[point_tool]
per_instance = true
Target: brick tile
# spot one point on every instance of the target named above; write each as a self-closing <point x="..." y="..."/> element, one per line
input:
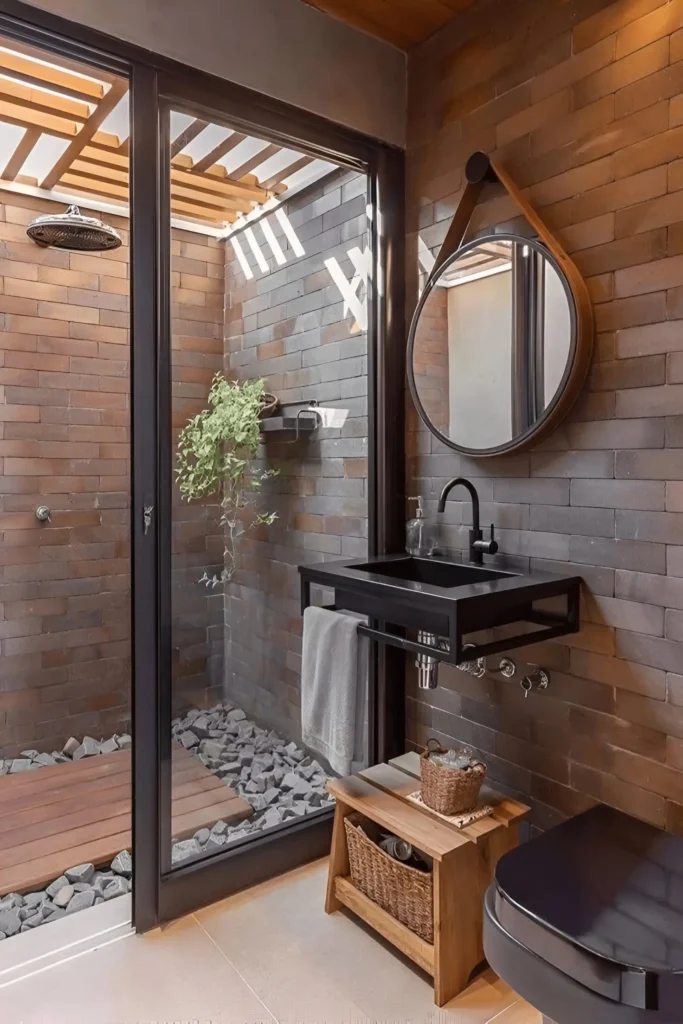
<point x="572" y="464"/>
<point x="540" y="492"/>
<point x="661" y="527"/>
<point x="617" y="74"/>
<point x="666" y="591"/>
<point x="631" y="312"/>
<point x="659" y="86"/>
<point x="638" y="372"/>
<point x="674" y="496"/>
<point x="619" y="554"/>
<point x="637" y="433"/>
<point x="665" y="400"/>
<point x="629" y="615"/>
<point x="611" y="19"/>
<point x="651" y="152"/>
<point x="667" y="465"/>
<point x="620" y="494"/>
<point x="577" y="69"/>
<point x="625" y="797"/>
<point x="626" y="252"/>
<point x="649" y="650"/>
<point x="647" y="339"/>
<point x="674" y="752"/>
<point x="649" y="277"/>
<point x="592" y="522"/>
<point x="674" y="631"/>
<point x="618" y="732"/>
<point x="619" y="673"/>
<point x="650" y="775"/>
<point x="654" y="213"/>
<point x="554" y="106"/>
<point x="653" y="25"/>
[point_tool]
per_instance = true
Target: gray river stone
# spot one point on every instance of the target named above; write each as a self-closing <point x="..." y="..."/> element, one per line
<point x="81" y="873"/>
<point x="122" y="864"/>
<point x="63" y="897"/>
<point x="81" y="901"/>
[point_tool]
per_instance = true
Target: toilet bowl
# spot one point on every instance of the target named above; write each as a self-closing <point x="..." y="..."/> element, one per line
<point x="586" y="921"/>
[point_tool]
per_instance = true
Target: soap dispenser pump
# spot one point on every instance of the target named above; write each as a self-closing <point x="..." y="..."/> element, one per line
<point x="420" y="534"/>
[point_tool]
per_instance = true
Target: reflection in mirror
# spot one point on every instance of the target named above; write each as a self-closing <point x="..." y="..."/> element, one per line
<point x="492" y="342"/>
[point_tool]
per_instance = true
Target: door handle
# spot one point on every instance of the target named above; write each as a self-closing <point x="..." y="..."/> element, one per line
<point x="147" y="512"/>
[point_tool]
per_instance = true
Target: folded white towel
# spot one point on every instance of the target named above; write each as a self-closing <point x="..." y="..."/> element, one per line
<point x="334" y="674"/>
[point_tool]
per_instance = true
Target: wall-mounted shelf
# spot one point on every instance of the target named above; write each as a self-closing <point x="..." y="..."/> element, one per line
<point x="291" y="424"/>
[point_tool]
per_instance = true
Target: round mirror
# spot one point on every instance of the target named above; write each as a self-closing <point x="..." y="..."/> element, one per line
<point x="493" y="346"/>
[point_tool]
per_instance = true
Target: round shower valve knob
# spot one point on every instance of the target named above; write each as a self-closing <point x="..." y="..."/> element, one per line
<point x="43" y="514"/>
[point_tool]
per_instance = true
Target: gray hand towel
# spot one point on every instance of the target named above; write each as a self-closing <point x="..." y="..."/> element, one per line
<point x="334" y="688"/>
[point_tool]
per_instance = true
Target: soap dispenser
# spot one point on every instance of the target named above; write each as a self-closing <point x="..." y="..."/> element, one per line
<point x="420" y="533"/>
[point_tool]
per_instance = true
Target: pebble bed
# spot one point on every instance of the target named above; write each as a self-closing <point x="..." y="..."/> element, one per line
<point x="278" y="779"/>
<point x="78" y="888"/>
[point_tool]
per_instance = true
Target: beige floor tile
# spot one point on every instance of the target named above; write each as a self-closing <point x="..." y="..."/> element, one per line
<point x="519" y="1013"/>
<point x="269" y="935"/>
<point x="312" y="965"/>
<point x="176" y="974"/>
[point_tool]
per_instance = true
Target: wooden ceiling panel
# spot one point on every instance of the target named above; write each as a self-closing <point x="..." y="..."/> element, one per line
<point x="405" y="23"/>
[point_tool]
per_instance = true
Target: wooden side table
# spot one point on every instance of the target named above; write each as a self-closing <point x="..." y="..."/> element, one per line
<point x="464" y="862"/>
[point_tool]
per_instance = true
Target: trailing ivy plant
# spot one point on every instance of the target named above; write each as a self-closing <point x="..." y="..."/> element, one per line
<point x="216" y="450"/>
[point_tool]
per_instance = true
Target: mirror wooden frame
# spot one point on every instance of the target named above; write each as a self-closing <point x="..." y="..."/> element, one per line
<point x="480" y="170"/>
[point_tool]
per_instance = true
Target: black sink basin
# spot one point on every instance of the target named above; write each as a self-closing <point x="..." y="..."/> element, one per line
<point x="432" y="571"/>
<point x="407" y="595"/>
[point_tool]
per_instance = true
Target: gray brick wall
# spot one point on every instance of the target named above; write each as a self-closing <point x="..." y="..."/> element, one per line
<point x="290" y="326"/>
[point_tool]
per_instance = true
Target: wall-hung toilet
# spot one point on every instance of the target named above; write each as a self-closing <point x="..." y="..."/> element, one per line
<point x="586" y="921"/>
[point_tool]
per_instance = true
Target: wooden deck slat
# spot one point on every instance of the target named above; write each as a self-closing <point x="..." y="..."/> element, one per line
<point x="103" y="777"/>
<point x="35" y="874"/>
<point x="80" y="812"/>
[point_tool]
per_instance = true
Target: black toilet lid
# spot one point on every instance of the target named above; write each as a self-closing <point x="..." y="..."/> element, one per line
<point x="601" y="898"/>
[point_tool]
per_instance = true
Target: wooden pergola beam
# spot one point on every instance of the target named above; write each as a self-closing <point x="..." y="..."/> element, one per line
<point x="116" y="93"/>
<point x="186" y="136"/>
<point x="292" y="168"/>
<point x="211" y="200"/>
<point x="36" y="99"/>
<point x="21" y="153"/>
<point x="217" y="152"/>
<point x="255" y="160"/>
<point x="32" y="73"/>
<point x="34" y="53"/>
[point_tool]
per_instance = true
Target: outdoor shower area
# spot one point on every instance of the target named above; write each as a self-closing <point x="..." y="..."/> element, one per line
<point x="270" y="267"/>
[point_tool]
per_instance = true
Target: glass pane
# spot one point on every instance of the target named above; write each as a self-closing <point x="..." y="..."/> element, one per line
<point x="65" y="744"/>
<point x="270" y="271"/>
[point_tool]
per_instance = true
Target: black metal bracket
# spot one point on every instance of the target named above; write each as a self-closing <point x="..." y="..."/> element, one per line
<point x="451" y="646"/>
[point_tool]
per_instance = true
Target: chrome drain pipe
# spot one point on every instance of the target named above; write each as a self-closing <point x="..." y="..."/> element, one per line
<point x="427" y="667"/>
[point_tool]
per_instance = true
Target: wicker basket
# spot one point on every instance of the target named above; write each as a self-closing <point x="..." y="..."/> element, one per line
<point x="403" y="891"/>
<point x="449" y="790"/>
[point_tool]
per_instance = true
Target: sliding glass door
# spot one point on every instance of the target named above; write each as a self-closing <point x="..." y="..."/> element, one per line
<point x="267" y="261"/>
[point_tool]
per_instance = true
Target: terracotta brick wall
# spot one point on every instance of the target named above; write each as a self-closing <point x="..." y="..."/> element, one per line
<point x="64" y="441"/>
<point x="583" y="102"/>
<point x="292" y="327"/>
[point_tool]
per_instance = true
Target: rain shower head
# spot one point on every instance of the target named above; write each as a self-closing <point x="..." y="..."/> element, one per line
<point x="71" y="230"/>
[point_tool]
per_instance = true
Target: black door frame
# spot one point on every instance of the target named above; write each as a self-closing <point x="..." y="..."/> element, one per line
<point x="159" y="896"/>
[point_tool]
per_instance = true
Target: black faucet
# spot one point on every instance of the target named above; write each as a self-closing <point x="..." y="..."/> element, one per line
<point x="477" y="543"/>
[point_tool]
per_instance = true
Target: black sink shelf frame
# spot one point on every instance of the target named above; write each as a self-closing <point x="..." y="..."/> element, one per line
<point x="393" y="606"/>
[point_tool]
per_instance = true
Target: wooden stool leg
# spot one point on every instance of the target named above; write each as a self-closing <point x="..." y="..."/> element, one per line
<point x="457" y="921"/>
<point x="339" y="856"/>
